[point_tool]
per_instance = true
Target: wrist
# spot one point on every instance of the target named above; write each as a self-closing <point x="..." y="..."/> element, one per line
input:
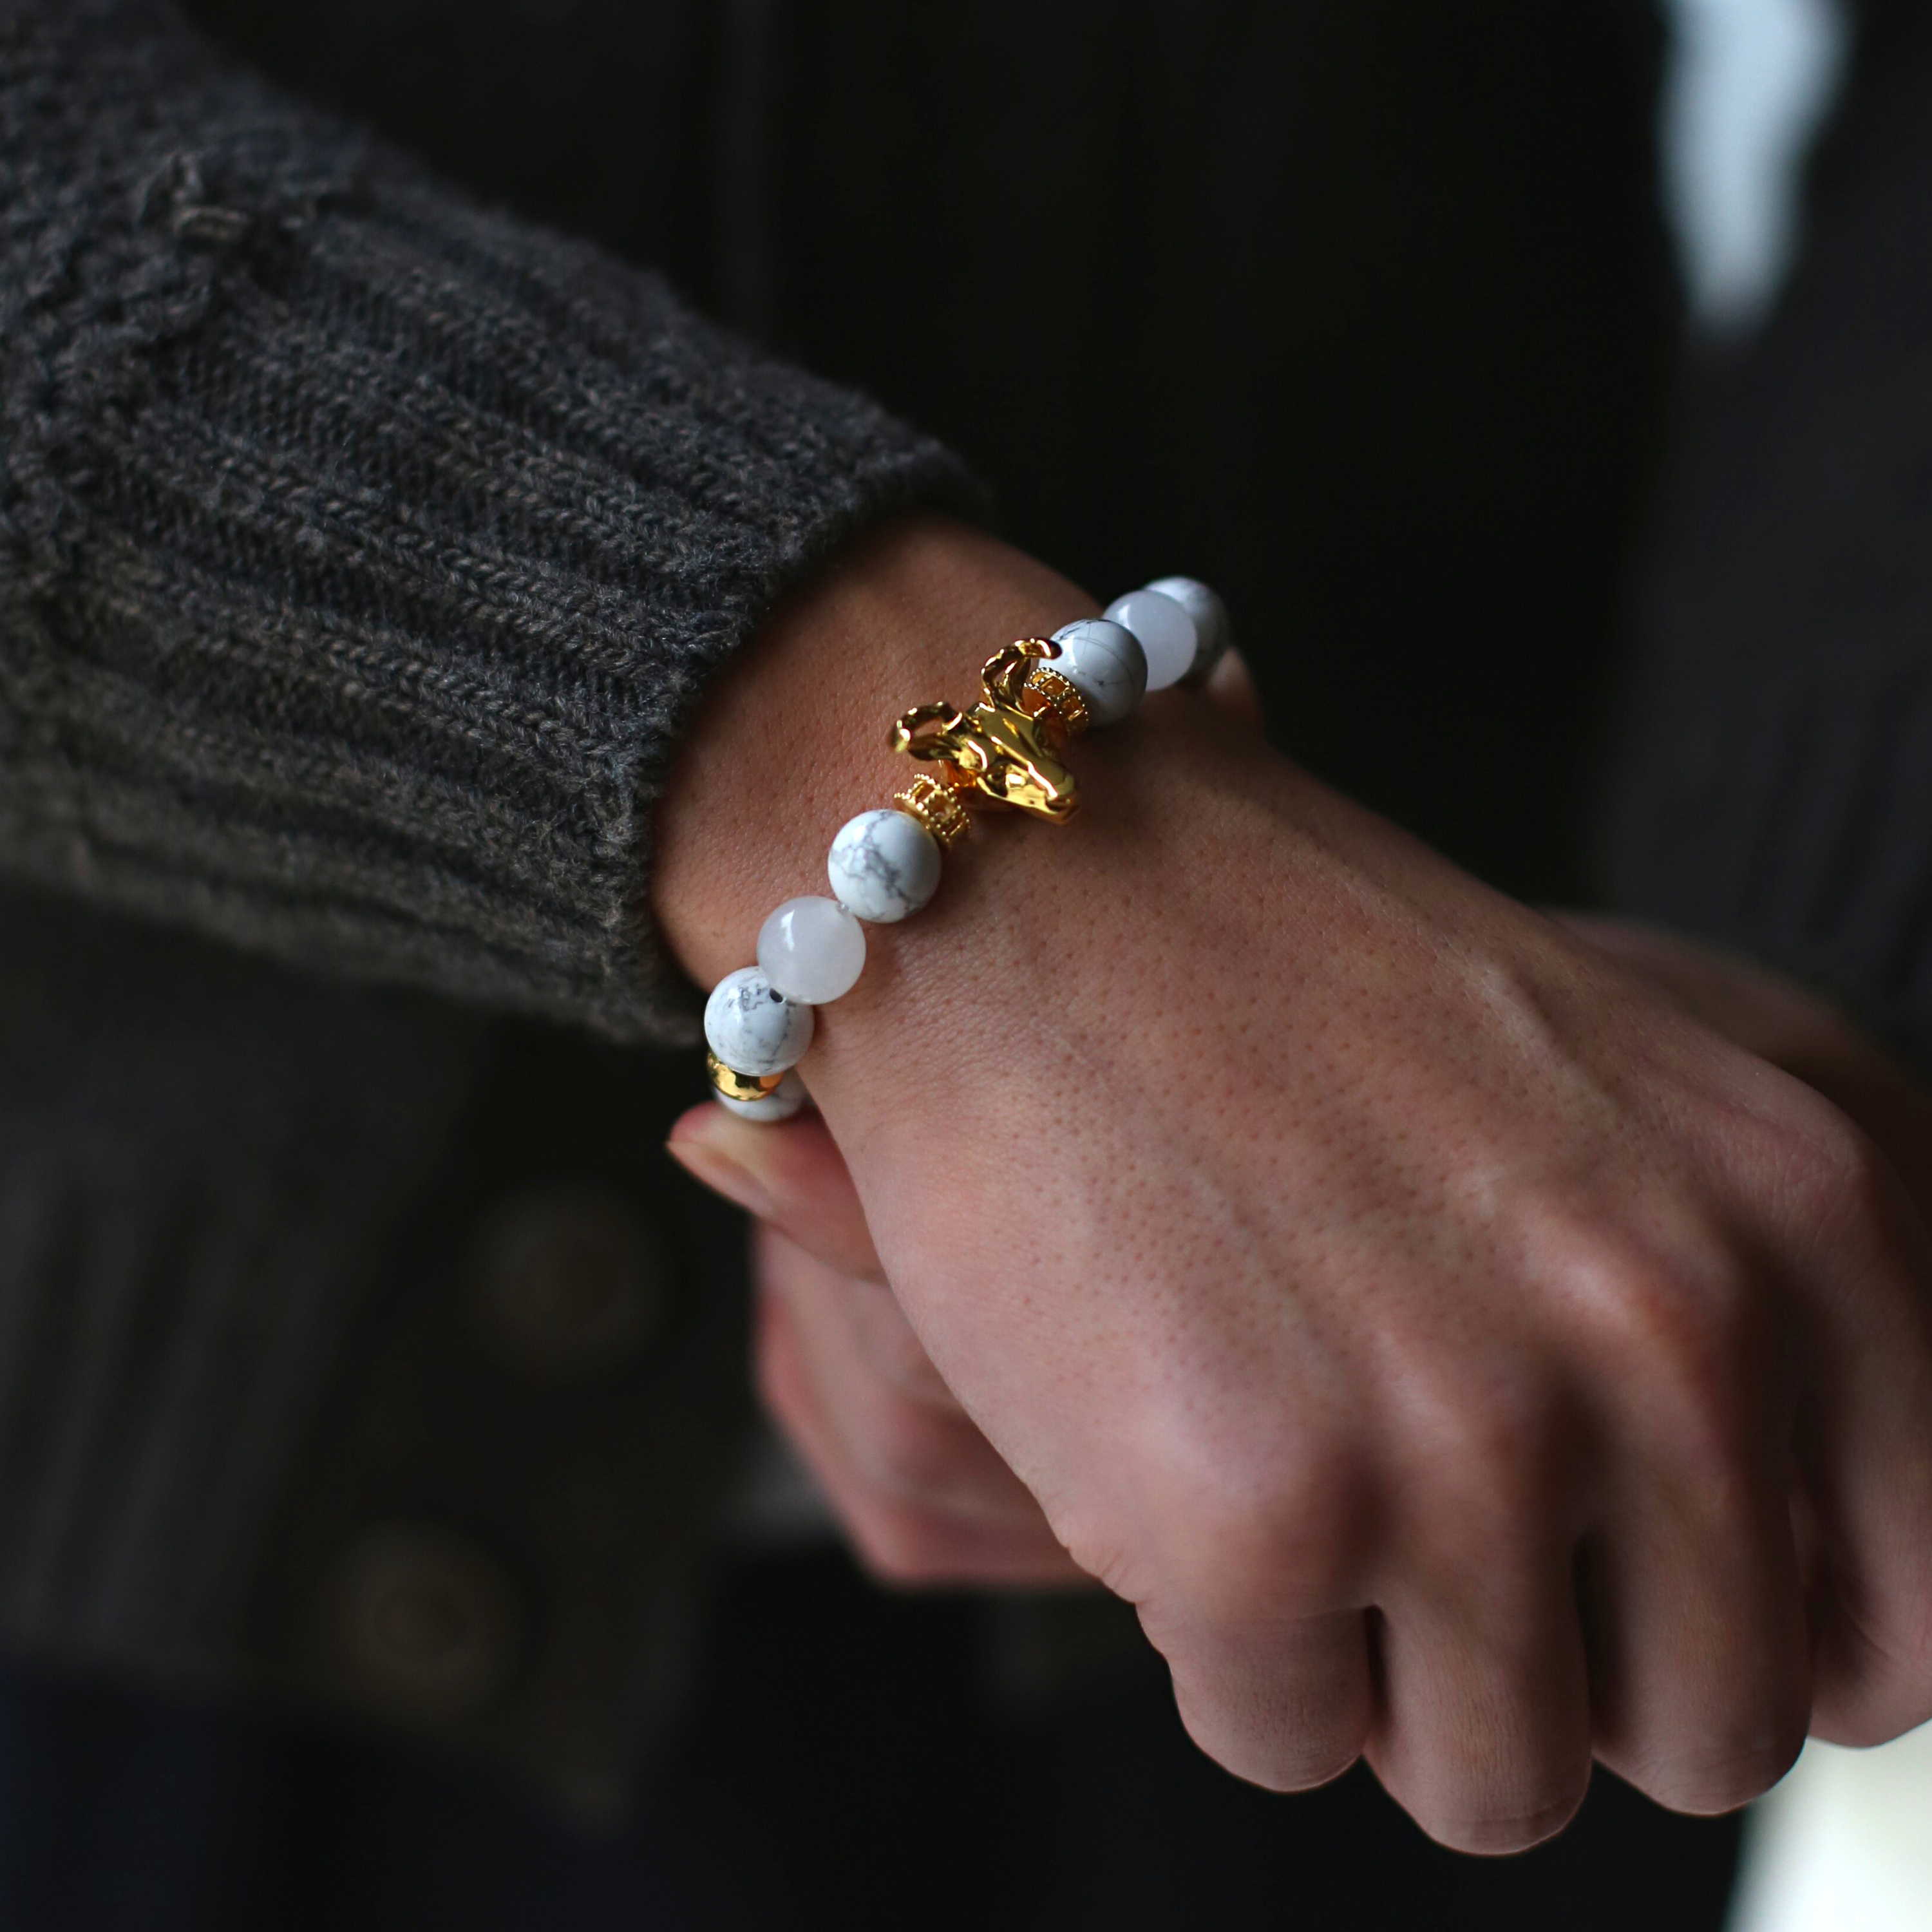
<point x="793" y="741"/>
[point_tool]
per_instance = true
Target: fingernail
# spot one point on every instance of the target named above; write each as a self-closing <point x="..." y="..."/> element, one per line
<point x="691" y="1147"/>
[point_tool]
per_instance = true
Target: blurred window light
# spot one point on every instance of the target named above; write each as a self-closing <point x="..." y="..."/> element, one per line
<point x="1751" y="83"/>
<point x="1841" y="1845"/>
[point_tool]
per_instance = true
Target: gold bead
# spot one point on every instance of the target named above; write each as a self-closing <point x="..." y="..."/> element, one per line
<point x="936" y="809"/>
<point x="1061" y="695"/>
<point x="736" y="1086"/>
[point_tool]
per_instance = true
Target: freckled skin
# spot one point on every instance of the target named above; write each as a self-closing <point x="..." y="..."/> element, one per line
<point x="1335" y="1258"/>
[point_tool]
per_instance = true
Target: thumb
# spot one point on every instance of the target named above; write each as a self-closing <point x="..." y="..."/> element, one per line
<point x="791" y="1176"/>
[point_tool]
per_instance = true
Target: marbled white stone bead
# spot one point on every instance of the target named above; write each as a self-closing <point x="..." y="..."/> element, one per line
<point x="812" y="949"/>
<point x="884" y="865"/>
<point x="1104" y="663"/>
<point x="1210" y="615"/>
<point x="780" y="1104"/>
<point x="752" y="1027"/>
<point x="1166" y="633"/>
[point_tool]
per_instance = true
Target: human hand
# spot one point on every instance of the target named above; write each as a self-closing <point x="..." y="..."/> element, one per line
<point x="926" y="1500"/>
<point x="924" y="1497"/>
<point x="1786" y="1023"/>
<point x="922" y="1493"/>
<point x="1416" y="1317"/>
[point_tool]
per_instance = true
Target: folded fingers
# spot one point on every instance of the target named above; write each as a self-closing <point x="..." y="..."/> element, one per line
<point x="925" y="1496"/>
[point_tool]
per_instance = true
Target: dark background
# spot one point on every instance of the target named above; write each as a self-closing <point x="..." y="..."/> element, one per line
<point x="852" y="1761"/>
<point x="1361" y="310"/>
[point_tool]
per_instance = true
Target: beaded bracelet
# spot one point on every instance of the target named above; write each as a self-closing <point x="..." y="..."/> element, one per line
<point x="884" y="865"/>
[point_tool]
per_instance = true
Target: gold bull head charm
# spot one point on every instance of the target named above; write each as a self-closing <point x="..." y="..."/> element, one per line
<point x="998" y="748"/>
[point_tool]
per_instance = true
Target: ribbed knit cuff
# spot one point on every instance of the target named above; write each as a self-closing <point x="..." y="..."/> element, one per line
<point x="363" y="555"/>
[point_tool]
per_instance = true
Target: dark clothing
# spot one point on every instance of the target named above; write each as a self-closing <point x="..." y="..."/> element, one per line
<point x="365" y="554"/>
<point x="361" y="552"/>
<point x="850" y="1762"/>
<point x="361" y="556"/>
<point x="1771" y="783"/>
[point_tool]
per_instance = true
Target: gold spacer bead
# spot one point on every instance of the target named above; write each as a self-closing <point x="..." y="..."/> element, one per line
<point x="936" y="809"/>
<point x="737" y="1086"/>
<point x="1060" y="695"/>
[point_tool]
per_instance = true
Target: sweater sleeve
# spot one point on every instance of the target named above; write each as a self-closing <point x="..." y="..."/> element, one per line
<point x="363" y="553"/>
<point x="1771" y="783"/>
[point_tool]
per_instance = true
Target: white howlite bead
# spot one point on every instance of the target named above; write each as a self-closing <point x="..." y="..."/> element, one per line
<point x="884" y="865"/>
<point x="780" y="1104"/>
<point x="1104" y="663"/>
<point x="752" y="1027"/>
<point x="1166" y="632"/>
<point x="812" y="950"/>
<point x="1210" y="615"/>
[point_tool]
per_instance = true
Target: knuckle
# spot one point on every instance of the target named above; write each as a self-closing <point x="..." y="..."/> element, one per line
<point x="1515" y="1791"/>
<point x="1826" y="1176"/>
<point x="1827" y="1159"/>
<point x="1302" y="1759"/>
<point x="1697" y="1394"/>
<point x="1256" y="1543"/>
<point x="1719" y="1780"/>
<point x="1486" y="1461"/>
<point x="1501" y="1830"/>
<point x="1843" y="1185"/>
<point x="1874" y="1667"/>
<point x="1705" y="1758"/>
<point x="1685" y="1337"/>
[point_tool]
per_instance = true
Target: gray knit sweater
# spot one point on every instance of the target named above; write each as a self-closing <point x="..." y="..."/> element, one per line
<point x="362" y="553"/>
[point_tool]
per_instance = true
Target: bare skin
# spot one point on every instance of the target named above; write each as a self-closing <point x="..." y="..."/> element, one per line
<point x="1417" y="1315"/>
